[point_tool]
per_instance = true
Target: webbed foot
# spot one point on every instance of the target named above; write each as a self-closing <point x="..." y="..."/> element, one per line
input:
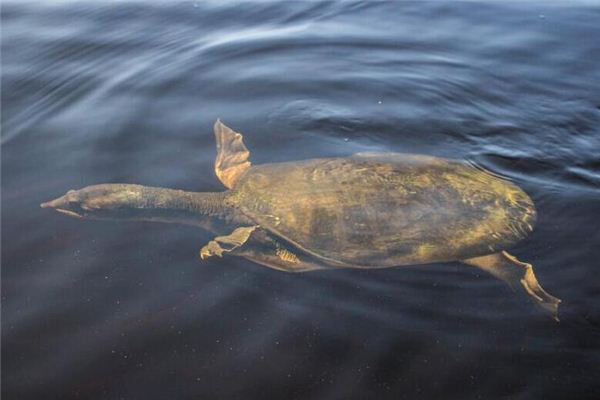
<point x="228" y="243"/>
<point x="519" y="276"/>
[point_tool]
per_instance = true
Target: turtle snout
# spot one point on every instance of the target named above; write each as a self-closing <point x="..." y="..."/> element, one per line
<point x="56" y="203"/>
<point x="69" y="204"/>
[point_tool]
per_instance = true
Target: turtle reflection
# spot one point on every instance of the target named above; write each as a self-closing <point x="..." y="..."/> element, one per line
<point x="369" y="210"/>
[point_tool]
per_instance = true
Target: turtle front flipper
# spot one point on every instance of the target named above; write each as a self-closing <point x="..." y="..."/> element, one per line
<point x="519" y="276"/>
<point x="270" y="251"/>
<point x="273" y="254"/>
<point x="232" y="155"/>
<point x="257" y="245"/>
<point x="228" y="243"/>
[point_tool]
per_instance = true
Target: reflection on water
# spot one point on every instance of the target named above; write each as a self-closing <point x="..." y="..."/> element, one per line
<point x="127" y="92"/>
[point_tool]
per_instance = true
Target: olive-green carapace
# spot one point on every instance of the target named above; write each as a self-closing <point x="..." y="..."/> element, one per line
<point x="382" y="210"/>
<point x="367" y="210"/>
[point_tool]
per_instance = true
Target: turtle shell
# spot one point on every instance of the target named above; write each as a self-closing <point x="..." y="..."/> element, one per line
<point x="385" y="209"/>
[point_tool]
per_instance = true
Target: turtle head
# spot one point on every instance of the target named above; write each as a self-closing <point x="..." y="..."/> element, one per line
<point x="118" y="201"/>
<point x="106" y="201"/>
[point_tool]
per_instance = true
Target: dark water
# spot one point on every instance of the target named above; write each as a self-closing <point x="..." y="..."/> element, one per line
<point x="128" y="92"/>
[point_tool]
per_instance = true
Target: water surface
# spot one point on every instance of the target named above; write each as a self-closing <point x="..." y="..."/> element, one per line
<point x="127" y="92"/>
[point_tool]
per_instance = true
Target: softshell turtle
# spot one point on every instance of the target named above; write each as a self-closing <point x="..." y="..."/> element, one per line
<point x="369" y="210"/>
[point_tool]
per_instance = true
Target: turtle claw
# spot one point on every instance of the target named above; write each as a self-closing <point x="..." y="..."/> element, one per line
<point x="204" y="253"/>
<point x="211" y="249"/>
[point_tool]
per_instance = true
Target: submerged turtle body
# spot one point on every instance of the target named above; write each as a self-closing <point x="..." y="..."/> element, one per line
<point x="368" y="210"/>
<point x="378" y="210"/>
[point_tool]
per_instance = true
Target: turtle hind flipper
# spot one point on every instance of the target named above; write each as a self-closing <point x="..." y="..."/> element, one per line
<point x="519" y="276"/>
